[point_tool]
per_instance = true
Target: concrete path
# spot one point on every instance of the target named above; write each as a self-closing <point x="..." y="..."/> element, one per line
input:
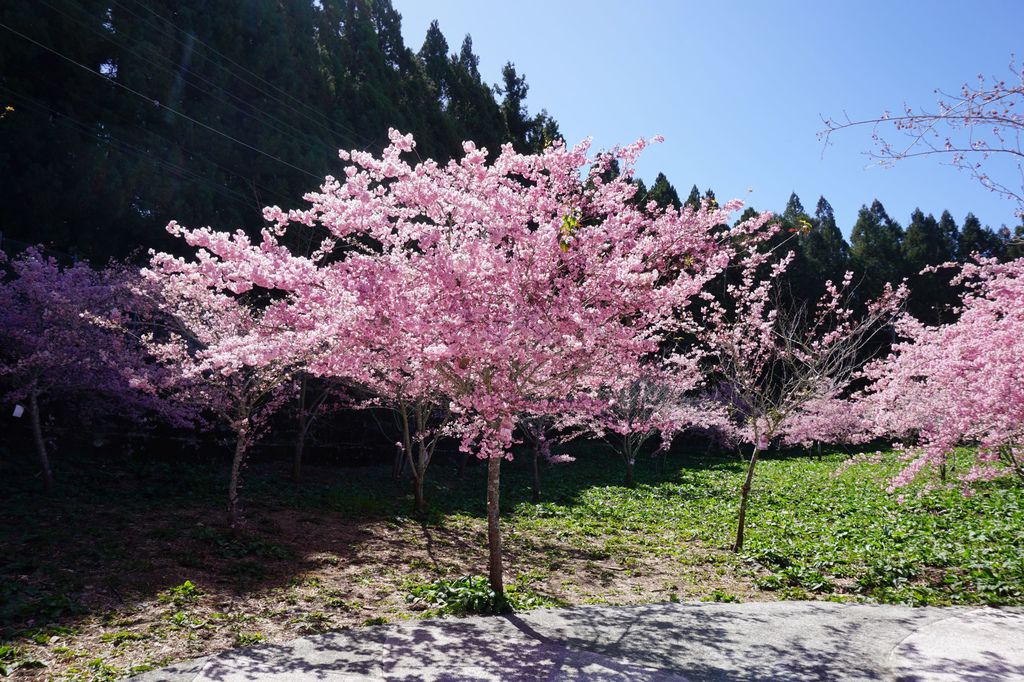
<point x="756" y="641"/>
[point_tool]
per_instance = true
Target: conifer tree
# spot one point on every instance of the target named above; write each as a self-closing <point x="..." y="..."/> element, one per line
<point x="663" y="193"/>
<point x="875" y="249"/>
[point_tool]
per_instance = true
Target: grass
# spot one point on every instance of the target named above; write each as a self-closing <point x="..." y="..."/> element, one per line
<point x="131" y="566"/>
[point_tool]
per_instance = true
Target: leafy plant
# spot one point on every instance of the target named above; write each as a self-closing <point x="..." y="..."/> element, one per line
<point x="472" y="594"/>
<point x="182" y="594"/>
<point x="249" y="638"/>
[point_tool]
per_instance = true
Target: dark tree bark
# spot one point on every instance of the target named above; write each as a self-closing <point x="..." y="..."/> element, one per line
<point x="37" y="435"/>
<point x="300" y="442"/>
<point x="744" y="497"/>
<point x="535" y="493"/>
<point x="241" y="447"/>
<point x="495" y="569"/>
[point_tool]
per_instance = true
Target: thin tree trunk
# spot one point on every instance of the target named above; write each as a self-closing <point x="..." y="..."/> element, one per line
<point x="493" y="528"/>
<point x="463" y="459"/>
<point x="37" y="435"/>
<point x="417" y="482"/>
<point x="535" y="493"/>
<point x="420" y="462"/>
<point x="630" y="457"/>
<point x="744" y="497"/>
<point x="419" y="503"/>
<point x="241" y="445"/>
<point x="300" y="442"/>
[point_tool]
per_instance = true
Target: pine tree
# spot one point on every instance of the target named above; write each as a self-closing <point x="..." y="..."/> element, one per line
<point x="468" y="60"/>
<point x="975" y="239"/>
<point x="693" y="200"/>
<point x="663" y="193"/>
<point x="950" y="235"/>
<point x="926" y="243"/>
<point x="434" y="55"/>
<point x="875" y="249"/>
<point x="709" y="198"/>
<point x="826" y="244"/>
<point x="794" y="209"/>
<point x="513" y="106"/>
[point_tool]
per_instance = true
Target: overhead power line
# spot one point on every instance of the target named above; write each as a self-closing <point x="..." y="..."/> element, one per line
<point x="156" y="102"/>
<point x="324" y="123"/>
<point x="275" y="124"/>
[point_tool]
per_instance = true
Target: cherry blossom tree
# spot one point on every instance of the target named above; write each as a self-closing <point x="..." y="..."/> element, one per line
<point x="219" y="349"/>
<point x="501" y="289"/>
<point x="52" y="351"/>
<point x="776" y="365"/>
<point x="959" y="383"/>
<point x="978" y="129"/>
<point x="540" y="432"/>
<point x="658" y="402"/>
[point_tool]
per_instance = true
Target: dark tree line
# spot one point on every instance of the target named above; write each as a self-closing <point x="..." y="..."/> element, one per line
<point x="128" y="113"/>
<point x="880" y="249"/>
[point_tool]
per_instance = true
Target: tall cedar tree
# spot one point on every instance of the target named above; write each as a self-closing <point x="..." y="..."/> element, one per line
<point x="876" y="249"/>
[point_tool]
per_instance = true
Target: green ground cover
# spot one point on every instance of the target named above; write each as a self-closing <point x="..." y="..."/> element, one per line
<point x="131" y="565"/>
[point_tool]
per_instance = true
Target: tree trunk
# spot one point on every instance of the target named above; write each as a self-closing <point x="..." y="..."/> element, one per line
<point x="493" y="529"/>
<point x="1006" y="454"/>
<point x="630" y="457"/>
<point x="744" y="496"/>
<point x="300" y="442"/>
<point x="37" y="435"/>
<point x="241" y="445"/>
<point x="417" y="484"/>
<point x="535" y="493"/>
<point x="463" y="458"/>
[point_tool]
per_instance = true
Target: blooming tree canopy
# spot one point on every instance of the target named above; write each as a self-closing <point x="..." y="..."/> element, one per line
<point x="507" y="287"/>
<point x="959" y="383"/>
<point x="217" y="349"/>
<point x="777" y="366"/>
<point x="51" y="347"/>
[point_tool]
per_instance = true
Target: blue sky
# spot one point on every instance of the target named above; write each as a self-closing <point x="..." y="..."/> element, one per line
<point x="738" y="88"/>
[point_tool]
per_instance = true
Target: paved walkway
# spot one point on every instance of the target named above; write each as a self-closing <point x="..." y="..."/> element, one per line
<point x="756" y="641"/>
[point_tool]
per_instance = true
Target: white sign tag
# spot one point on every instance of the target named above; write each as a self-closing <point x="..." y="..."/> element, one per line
<point x="19" y="410"/>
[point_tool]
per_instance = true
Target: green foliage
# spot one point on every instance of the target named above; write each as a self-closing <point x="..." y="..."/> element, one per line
<point x="99" y="169"/>
<point x="13" y="659"/>
<point x="876" y="248"/>
<point x="121" y="637"/>
<point x="663" y="193"/>
<point x="722" y="596"/>
<point x="472" y="594"/>
<point x="234" y="546"/>
<point x="810" y="533"/>
<point x="249" y="638"/>
<point x="22" y="603"/>
<point x="181" y="595"/>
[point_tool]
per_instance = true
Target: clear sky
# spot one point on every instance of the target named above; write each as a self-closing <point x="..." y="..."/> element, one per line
<point x="738" y="89"/>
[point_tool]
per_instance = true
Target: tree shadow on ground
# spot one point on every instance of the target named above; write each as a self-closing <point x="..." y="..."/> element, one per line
<point x="797" y="642"/>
